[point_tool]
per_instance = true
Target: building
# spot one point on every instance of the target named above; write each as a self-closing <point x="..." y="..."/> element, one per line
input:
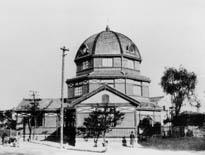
<point x="108" y="66"/>
<point x="108" y="70"/>
<point x="47" y="114"/>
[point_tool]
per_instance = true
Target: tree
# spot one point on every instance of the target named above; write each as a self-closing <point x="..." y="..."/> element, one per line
<point x="69" y="126"/>
<point x="190" y="119"/>
<point x="31" y="118"/>
<point x="180" y="84"/>
<point x="145" y="126"/>
<point x="101" y="121"/>
<point x="6" y="120"/>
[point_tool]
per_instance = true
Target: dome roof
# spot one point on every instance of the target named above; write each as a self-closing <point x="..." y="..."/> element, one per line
<point x="109" y="43"/>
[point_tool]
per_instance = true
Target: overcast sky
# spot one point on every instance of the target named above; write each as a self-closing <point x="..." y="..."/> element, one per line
<point x="168" y="33"/>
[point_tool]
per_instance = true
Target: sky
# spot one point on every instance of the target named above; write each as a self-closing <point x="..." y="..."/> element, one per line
<point x="168" y="33"/>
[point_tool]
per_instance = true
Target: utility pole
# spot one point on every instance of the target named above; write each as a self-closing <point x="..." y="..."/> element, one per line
<point x="34" y="94"/>
<point x="63" y="49"/>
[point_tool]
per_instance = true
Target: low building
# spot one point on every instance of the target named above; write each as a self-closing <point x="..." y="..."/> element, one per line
<point x="46" y="114"/>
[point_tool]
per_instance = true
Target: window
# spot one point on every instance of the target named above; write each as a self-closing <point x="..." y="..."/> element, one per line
<point x="84" y="49"/>
<point x="78" y="91"/>
<point x="130" y="64"/>
<point x="105" y="98"/>
<point x="137" y="90"/>
<point x="107" y="62"/>
<point x="131" y="48"/>
<point x="85" y="65"/>
<point x="137" y="65"/>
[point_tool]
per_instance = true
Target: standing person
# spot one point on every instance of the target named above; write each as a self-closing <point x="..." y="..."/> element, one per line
<point x="3" y="136"/>
<point x="132" y="139"/>
<point x="124" y="142"/>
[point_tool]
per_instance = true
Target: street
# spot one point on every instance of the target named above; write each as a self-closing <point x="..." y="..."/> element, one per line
<point x="27" y="148"/>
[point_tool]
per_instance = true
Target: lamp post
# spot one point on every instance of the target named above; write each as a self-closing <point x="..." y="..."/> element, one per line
<point x="63" y="49"/>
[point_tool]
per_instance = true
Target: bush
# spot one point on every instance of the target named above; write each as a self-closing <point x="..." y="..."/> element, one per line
<point x="182" y="143"/>
<point x="156" y="128"/>
<point x="189" y="119"/>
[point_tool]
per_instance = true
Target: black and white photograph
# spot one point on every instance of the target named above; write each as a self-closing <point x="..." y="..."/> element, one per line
<point x="109" y="77"/>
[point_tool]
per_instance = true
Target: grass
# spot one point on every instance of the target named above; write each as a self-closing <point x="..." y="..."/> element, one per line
<point x="183" y="143"/>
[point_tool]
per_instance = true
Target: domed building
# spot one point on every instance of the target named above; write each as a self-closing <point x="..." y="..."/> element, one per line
<point x="108" y="71"/>
<point x="112" y="58"/>
<point x="108" y="64"/>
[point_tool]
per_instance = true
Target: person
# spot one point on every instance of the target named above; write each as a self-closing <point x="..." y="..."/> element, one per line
<point x="132" y="139"/>
<point x="17" y="140"/>
<point x="3" y="137"/>
<point x="124" y="141"/>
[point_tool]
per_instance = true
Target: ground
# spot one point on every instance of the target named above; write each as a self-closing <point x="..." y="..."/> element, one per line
<point x="28" y="148"/>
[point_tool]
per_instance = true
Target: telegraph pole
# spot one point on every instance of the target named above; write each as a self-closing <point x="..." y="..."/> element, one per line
<point x="34" y="94"/>
<point x="63" y="49"/>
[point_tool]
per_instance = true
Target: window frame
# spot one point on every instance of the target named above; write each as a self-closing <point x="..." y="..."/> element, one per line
<point x="130" y="64"/>
<point x="105" y="98"/>
<point x="106" y="63"/>
<point x="85" y="65"/>
<point x="78" y="91"/>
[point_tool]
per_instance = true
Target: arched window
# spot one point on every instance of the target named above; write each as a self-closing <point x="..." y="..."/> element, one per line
<point x="105" y="98"/>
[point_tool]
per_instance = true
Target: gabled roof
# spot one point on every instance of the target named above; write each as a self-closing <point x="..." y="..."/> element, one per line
<point x="105" y="87"/>
<point x="45" y="104"/>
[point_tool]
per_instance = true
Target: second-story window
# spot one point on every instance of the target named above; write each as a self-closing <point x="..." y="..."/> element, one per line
<point x="107" y="62"/>
<point x="85" y="65"/>
<point x="78" y="91"/>
<point x="130" y="64"/>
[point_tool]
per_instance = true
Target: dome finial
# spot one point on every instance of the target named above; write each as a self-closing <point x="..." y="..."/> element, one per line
<point x="107" y="28"/>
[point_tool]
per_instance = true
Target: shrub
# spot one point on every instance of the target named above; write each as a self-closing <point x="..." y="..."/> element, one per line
<point x="182" y="143"/>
